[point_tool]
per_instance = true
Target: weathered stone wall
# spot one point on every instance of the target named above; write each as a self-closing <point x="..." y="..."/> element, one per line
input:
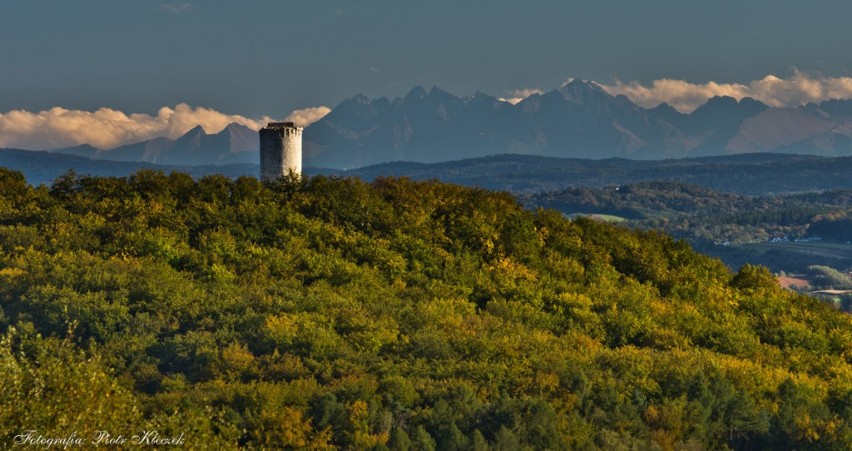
<point x="280" y="151"/>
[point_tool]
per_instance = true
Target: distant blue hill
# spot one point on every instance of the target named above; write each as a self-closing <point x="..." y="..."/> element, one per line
<point x="752" y="174"/>
<point x="43" y="167"/>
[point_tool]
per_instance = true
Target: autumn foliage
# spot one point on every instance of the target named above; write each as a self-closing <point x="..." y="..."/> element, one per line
<point x="326" y="313"/>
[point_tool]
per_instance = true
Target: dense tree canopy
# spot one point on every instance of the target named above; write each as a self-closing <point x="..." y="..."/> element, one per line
<point x="326" y="312"/>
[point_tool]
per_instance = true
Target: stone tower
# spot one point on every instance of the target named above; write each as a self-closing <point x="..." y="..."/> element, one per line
<point x="280" y="150"/>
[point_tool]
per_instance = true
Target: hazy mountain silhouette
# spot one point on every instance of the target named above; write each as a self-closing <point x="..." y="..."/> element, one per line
<point x="234" y="144"/>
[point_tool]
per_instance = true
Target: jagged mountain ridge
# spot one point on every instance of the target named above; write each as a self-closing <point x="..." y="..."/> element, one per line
<point x="579" y="120"/>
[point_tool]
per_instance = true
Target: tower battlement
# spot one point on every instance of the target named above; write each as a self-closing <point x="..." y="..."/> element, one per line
<point x="280" y="150"/>
<point x="281" y="125"/>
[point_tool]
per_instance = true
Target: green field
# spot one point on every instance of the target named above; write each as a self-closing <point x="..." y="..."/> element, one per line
<point x="599" y="217"/>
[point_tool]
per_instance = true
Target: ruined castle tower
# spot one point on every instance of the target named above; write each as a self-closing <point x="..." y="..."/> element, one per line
<point x="280" y="150"/>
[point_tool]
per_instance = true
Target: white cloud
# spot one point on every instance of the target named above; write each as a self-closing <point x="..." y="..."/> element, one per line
<point x="680" y="94"/>
<point x="799" y="89"/>
<point x="520" y="94"/>
<point x="307" y="116"/>
<point x="176" y="8"/>
<point x="107" y="128"/>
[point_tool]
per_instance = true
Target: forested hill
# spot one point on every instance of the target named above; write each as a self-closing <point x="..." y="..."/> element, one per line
<point x="726" y="225"/>
<point x="325" y="313"/>
<point x="698" y="213"/>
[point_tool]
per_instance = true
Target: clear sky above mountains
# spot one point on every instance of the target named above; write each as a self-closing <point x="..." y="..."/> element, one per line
<point x="267" y="58"/>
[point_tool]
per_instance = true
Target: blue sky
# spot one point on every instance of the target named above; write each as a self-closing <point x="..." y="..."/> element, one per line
<point x="267" y="58"/>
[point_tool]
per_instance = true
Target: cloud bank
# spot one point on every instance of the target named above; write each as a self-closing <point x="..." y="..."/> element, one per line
<point x="798" y="89"/>
<point x="107" y="128"/>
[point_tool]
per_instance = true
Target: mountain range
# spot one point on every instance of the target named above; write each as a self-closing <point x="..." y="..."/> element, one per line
<point x="579" y="120"/>
<point x="234" y="144"/>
